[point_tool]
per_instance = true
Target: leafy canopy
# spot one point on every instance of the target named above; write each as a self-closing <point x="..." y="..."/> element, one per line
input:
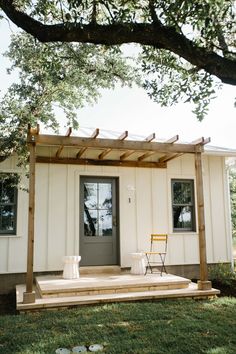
<point x="52" y="76"/>
<point x="186" y="49"/>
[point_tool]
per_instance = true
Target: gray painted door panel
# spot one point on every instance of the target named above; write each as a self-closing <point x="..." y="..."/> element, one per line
<point x="98" y="221"/>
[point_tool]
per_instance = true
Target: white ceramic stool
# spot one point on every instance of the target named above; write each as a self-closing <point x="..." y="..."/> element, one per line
<point x="71" y="267"/>
<point x="138" y="264"/>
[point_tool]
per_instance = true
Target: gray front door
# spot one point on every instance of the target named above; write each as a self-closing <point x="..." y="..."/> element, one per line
<point x="98" y="221"/>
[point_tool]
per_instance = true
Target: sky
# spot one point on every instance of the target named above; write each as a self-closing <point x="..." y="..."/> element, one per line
<point x="131" y="109"/>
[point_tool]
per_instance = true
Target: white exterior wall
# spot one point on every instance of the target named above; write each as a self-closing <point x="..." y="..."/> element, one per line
<point x="147" y="211"/>
<point x="13" y="249"/>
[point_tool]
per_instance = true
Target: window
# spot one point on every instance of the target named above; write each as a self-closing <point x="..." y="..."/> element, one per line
<point x="183" y="209"/>
<point x="8" y="204"/>
<point x="97" y="209"/>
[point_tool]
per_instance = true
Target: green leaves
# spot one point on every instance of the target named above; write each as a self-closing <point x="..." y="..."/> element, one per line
<point x="57" y="75"/>
<point x="169" y="80"/>
<point x="69" y="75"/>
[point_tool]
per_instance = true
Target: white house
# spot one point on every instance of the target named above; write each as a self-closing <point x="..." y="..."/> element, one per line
<point x="102" y="198"/>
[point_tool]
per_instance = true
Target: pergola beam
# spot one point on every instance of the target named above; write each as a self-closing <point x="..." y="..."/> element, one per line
<point x="93" y="162"/>
<point x="68" y="133"/>
<point x="82" y="151"/>
<point x="173" y="139"/>
<point x="201" y="141"/>
<point x="150" y="153"/>
<point x="123" y="136"/>
<point x="80" y="142"/>
<point x="146" y="155"/>
<point x="95" y="133"/>
<point x="198" y="143"/>
<point x="130" y="152"/>
<point x="170" y="157"/>
<point x="33" y="131"/>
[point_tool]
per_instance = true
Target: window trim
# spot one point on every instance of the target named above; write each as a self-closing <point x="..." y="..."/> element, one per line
<point x="192" y="205"/>
<point x="14" y="204"/>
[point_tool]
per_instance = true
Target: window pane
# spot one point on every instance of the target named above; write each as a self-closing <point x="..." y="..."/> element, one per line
<point x="105" y="223"/>
<point x="90" y="195"/>
<point x="105" y="198"/>
<point x="182" y="192"/>
<point x="182" y="217"/>
<point x="7" y="217"/>
<point x="90" y="222"/>
<point x="8" y="203"/>
<point x="7" y="191"/>
<point x="183" y="205"/>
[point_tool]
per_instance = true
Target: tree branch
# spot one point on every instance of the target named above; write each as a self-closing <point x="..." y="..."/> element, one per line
<point x="156" y="35"/>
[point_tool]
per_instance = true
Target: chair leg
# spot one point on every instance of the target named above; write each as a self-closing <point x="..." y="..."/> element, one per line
<point x="163" y="263"/>
<point x="148" y="264"/>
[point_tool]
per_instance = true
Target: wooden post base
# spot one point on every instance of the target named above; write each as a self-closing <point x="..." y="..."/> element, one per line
<point x="28" y="298"/>
<point x="204" y="285"/>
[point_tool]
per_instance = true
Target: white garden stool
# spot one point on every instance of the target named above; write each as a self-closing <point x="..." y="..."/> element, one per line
<point x="71" y="267"/>
<point x="138" y="264"/>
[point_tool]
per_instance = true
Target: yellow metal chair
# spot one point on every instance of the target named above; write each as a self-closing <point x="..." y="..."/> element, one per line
<point x="157" y="254"/>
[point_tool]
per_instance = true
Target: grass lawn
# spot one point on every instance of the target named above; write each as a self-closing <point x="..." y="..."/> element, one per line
<point x="176" y="326"/>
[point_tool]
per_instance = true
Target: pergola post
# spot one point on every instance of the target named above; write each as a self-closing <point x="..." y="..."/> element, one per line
<point x="203" y="283"/>
<point x="29" y="295"/>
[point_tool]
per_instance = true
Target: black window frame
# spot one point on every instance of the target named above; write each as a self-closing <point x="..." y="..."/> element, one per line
<point x="190" y="205"/>
<point x="13" y="177"/>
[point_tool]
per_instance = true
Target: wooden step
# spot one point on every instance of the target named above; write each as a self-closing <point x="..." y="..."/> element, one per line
<point x="99" y="284"/>
<point x="99" y="270"/>
<point x="68" y="301"/>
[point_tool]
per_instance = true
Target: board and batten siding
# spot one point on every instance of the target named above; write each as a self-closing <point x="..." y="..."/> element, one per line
<point x="144" y="207"/>
<point x="13" y="249"/>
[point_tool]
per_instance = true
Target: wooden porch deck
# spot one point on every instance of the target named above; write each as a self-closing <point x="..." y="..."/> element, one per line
<point x="97" y="288"/>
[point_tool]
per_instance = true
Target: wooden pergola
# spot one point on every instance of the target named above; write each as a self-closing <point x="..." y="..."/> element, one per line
<point x="122" y="152"/>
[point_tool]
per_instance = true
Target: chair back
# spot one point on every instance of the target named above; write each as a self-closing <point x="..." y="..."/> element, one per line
<point x="159" y="242"/>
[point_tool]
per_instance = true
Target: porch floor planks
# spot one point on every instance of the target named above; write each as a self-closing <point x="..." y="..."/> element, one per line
<point x="59" y="300"/>
<point x="107" y="283"/>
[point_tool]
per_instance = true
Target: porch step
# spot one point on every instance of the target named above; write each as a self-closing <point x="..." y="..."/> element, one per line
<point x="68" y="301"/>
<point x="99" y="270"/>
<point x="100" y="284"/>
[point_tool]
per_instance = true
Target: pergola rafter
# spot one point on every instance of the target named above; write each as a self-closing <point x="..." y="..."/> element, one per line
<point x="123" y="136"/>
<point x="127" y="152"/>
<point x="82" y="151"/>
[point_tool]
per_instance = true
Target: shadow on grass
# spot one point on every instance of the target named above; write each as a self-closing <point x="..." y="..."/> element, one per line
<point x="8" y="304"/>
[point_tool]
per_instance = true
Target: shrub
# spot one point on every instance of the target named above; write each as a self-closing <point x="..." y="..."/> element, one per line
<point x="222" y="273"/>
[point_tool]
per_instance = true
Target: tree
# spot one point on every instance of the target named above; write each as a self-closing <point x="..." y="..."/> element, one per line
<point x="55" y="75"/>
<point x="186" y="48"/>
<point x="184" y="44"/>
